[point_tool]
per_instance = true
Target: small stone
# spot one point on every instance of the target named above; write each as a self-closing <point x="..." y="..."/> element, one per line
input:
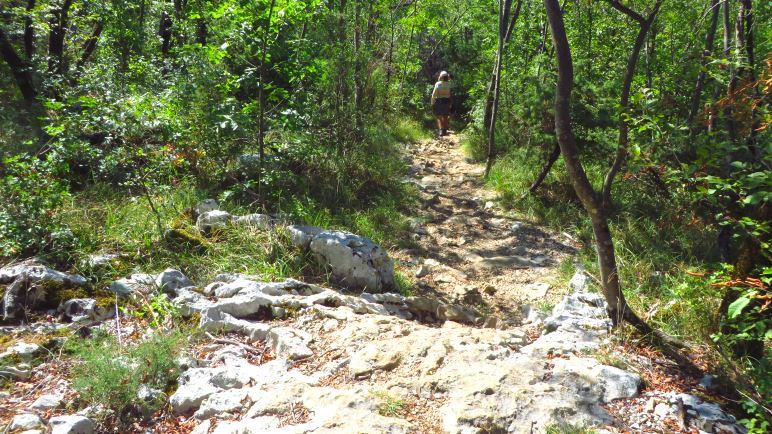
<point x="422" y="271"/>
<point x="259" y="221"/>
<point x="516" y="226"/>
<point x="170" y="280"/>
<point x="139" y="282"/>
<point x="212" y="220"/>
<point x="22" y="350"/>
<point x="489" y="289"/>
<point x="20" y="373"/>
<point x="650" y="405"/>
<point x="491" y="322"/>
<point x="330" y="325"/>
<point x="662" y="410"/>
<point x="46" y="402"/>
<point x="278" y="312"/>
<point x="148" y="394"/>
<point x="25" y="421"/>
<point x="205" y="205"/>
<point x="71" y="425"/>
<point x="709" y="382"/>
<point x="488" y="205"/>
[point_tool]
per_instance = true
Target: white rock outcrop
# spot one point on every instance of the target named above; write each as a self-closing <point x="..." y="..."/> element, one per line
<point x="355" y="261"/>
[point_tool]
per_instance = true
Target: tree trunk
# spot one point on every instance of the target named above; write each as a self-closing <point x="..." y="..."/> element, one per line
<point x="58" y="24"/>
<point x="569" y="149"/>
<point x="504" y="7"/>
<point x="29" y="31"/>
<point x="747" y="11"/>
<point x="727" y="24"/>
<point x="261" y="99"/>
<point x="624" y="101"/>
<point x="545" y="170"/>
<point x="710" y="35"/>
<point x="358" y="81"/>
<point x="21" y="71"/>
<point x="165" y="32"/>
<point x="492" y="83"/>
<point x="90" y="45"/>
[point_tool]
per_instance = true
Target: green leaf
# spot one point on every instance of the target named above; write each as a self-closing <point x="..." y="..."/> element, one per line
<point x="737" y="306"/>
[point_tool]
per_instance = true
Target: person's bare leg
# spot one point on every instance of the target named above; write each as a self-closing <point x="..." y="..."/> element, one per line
<point x="439" y="124"/>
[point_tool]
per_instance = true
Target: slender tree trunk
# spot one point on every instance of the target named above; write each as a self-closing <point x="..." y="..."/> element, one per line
<point x="165" y="32"/>
<point x="710" y="35"/>
<point x="358" y="81"/>
<point x="29" y="31"/>
<point x="389" y="62"/>
<point x="624" y="101"/>
<point x="22" y="74"/>
<point x="261" y="98"/>
<point x="56" y="36"/>
<point x="504" y="9"/>
<point x="727" y="45"/>
<point x="409" y="51"/>
<point x="747" y="11"/>
<point x="492" y="82"/>
<point x="545" y="170"/>
<point x="90" y="45"/>
<point x="20" y="70"/>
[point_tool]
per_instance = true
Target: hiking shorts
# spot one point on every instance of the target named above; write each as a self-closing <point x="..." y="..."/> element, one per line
<point x="441" y="107"/>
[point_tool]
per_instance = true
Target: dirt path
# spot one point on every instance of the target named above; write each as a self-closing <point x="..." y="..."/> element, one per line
<point x="470" y="251"/>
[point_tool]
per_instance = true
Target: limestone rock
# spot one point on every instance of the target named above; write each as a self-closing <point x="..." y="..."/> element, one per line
<point x="497" y="262"/>
<point x="212" y="220"/>
<point x="301" y="236"/>
<point x="170" y="280"/>
<point x="205" y="205"/>
<point x="46" y="402"/>
<point x="355" y="261"/>
<point x="190" y="302"/>
<point x="374" y="357"/>
<point x="79" y="309"/>
<point x="100" y="260"/>
<point x="72" y="425"/>
<point x="140" y="282"/>
<point x="707" y="416"/>
<point x="259" y="221"/>
<point x="29" y="283"/>
<point x="35" y="272"/>
<point x="289" y="343"/>
<point x="221" y="404"/>
<point x="25" y="421"/>
<point x="22" y="350"/>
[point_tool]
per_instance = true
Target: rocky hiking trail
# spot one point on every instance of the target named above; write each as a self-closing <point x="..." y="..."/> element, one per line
<point x="467" y="353"/>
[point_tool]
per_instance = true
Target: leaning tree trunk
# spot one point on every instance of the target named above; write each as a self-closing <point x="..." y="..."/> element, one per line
<point x="617" y="306"/>
<point x="19" y="69"/>
<point x="624" y="101"/>
<point x="545" y="170"/>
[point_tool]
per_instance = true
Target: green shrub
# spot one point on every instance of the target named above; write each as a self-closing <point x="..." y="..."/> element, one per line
<point x="30" y="194"/>
<point x="107" y="373"/>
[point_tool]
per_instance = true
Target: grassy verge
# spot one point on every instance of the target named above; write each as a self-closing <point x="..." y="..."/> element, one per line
<point x="103" y="218"/>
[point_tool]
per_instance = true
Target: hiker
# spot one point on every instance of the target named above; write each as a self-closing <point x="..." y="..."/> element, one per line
<point x="442" y="102"/>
